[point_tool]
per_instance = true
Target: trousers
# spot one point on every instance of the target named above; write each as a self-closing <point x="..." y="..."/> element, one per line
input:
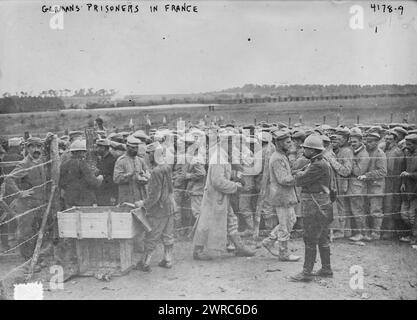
<point x="162" y="229"/>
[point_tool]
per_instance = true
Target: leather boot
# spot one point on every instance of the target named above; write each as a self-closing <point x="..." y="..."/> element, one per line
<point x="198" y="254"/>
<point x="250" y="229"/>
<point x="284" y="255"/>
<point x="241" y="249"/>
<point x="309" y="259"/>
<point x="326" y="270"/>
<point x="167" y="261"/>
<point x="144" y="264"/>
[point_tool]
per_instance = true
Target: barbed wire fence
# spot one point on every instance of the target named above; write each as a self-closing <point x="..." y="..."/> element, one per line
<point x="11" y="217"/>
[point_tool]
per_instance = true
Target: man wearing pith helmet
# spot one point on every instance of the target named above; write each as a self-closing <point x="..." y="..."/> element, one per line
<point x="282" y="196"/>
<point x="316" y="209"/>
<point x="29" y="173"/>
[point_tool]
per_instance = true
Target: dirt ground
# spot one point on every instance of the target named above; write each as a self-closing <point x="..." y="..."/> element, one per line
<point x="390" y="272"/>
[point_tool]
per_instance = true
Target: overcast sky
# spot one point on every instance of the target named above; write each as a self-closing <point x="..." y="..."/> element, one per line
<point x="145" y="53"/>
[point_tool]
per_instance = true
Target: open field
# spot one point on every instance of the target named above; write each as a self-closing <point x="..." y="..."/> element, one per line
<point x="370" y="110"/>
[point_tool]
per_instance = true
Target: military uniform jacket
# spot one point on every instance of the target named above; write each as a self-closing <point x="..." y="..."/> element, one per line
<point x="395" y="165"/>
<point x="281" y="182"/>
<point x="411" y="181"/>
<point x="377" y="171"/>
<point x="160" y="201"/>
<point x="79" y="183"/>
<point x="342" y="165"/>
<point x="316" y="178"/>
<point x="106" y="168"/>
<point x="26" y="175"/>
<point x="360" y="166"/>
<point x="130" y="190"/>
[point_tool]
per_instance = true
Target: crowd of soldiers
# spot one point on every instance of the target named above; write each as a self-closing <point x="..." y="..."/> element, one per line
<point x="358" y="183"/>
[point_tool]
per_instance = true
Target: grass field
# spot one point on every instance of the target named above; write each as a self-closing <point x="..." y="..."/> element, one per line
<point x="369" y="110"/>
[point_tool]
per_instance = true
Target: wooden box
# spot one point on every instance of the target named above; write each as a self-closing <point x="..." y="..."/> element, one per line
<point x="104" y="238"/>
<point x="102" y="256"/>
<point x="96" y="223"/>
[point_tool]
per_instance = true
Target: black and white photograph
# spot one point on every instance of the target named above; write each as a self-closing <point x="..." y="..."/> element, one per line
<point x="231" y="151"/>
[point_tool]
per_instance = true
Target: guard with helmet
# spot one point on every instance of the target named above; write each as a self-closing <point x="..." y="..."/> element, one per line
<point x="317" y="209"/>
<point x="77" y="180"/>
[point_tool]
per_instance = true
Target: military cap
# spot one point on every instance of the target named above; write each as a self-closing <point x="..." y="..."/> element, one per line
<point x="140" y="134"/>
<point x="264" y="136"/>
<point x="34" y="141"/>
<point x="400" y="130"/>
<point x="124" y="133"/>
<point x="393" y="132"/>
<point x="132" y="141"/>
<point x="279" y="134"/>
<point x="153" y="146"/>
<point x="342" y="131"/>
<point x="377" y="129"/>
<point x="326" y="127"/>
<point x="373" y="134"/>
<point x="411" y="137"/>
<point x="64" y="138"/>
<point x="229" y="125"/>
<point x="282" y="125"/>
<point x="103" y="142"/>
<point x="299" y="134"/>
<point x="356" y="132"/>
<point x="15" y="142"/>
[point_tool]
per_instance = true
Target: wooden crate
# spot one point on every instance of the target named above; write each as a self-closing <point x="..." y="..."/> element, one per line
<point x="96" y="223"/>
<point x="103" y="238"/>
<point x="113" y="257"/>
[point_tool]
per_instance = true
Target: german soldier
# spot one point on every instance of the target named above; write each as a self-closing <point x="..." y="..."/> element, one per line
<point x="159" y="206"/>
<point x="282" y="196"/>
